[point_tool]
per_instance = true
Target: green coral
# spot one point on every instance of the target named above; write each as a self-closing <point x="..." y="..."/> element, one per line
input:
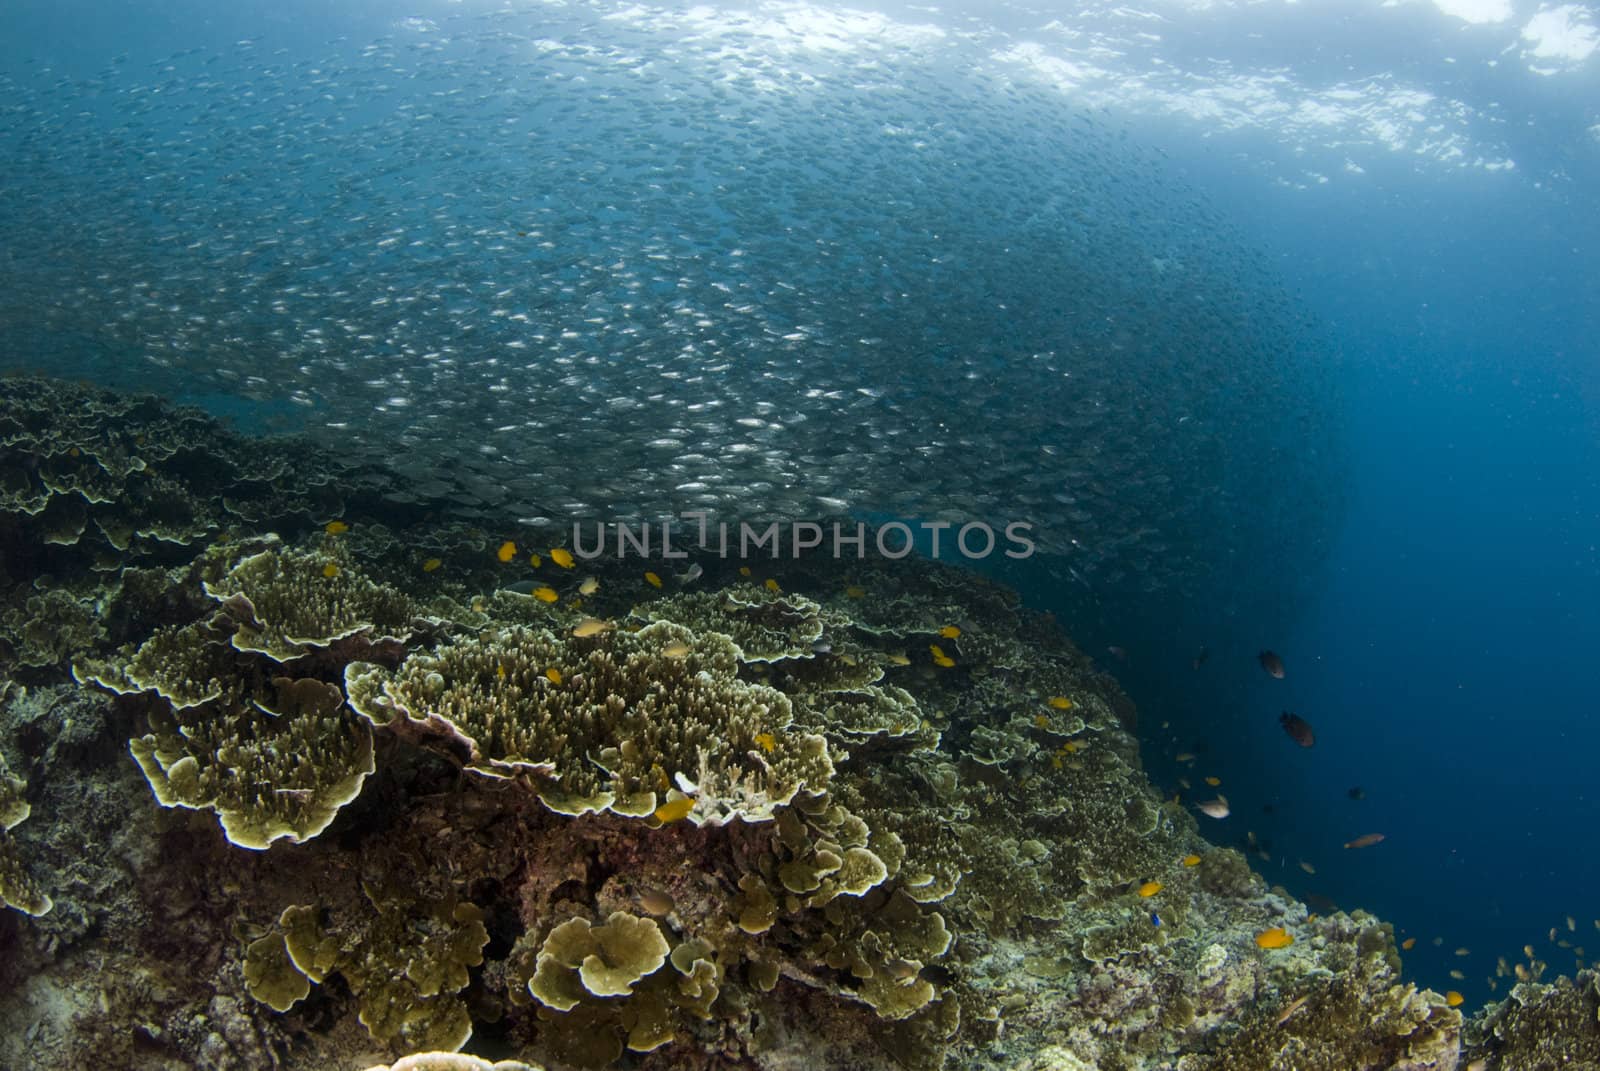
<point x="17" y="889"/>
<point x="607" y="722"/>
<point x="187" y="665"/>
<point x="272" y="766"/>
<point x="604" y="987"/>
<point x="763" y="625"/>
<point x="271" y="976"/>
<point x="46" y="628"/>
<point x="405" y="960"/>
<point x="14" y="805"/>
<point x="287" y="602"/>
<point x="578" y="959"/>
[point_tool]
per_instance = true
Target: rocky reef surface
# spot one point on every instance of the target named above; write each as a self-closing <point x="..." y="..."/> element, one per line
<point x="297" y="776"/>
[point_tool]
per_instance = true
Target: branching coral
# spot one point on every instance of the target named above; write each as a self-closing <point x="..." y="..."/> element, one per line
<point x="608" y="722"/>
<point x="287" y="602"/>
<point x="271" y="767"/>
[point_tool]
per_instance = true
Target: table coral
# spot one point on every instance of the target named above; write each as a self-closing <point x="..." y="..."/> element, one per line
<point x="623" y="719"/>
<point x="271" y="766"/>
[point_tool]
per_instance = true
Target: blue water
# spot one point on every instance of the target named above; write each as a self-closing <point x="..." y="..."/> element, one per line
<point x="1448" y="660"/>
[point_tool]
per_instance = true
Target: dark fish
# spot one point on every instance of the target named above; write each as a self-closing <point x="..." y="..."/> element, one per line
<point x="1298" y="729"/>
<point x="1200" y="657"/>
<point x="1319" y="903"/>
<point x="1357" y="793"/>
<point x="1271" y="663"/>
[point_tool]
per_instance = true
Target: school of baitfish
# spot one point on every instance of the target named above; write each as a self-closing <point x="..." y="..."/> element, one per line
<point x="610" y="262"/>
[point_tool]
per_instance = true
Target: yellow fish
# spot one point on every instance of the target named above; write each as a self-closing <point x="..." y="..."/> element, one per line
<point x="1061" y="702"/>
<point x="553" y="675"/>
<point x="855" y="592"/>
<point x="1191" y="860"/>
<point x="767" y="741"/>
<point x="336" y="528"/>
<point x="676" y="649"/>
<point x="507" y="551"/>
<point x="545" y="594"/>
<point x="772" y="585"/>
<point x="535" y="561"/>
<point x="500" y="671"/>
<point x="589" y="586"/>
<point x="590" y="626"/>
<point x="652" y="579"/>
<point x="1409" y="943"/>
<point x="939" y="657"/>
<point x="431" y="564"/>
<point x="561" y="556"/>
<point x="1042" y="720"/>
<point x="673" y="810"/>
<point x="1213" y="781"/>
<point x="330" y="570"/>
<point x="1149" y="888"/>
<point x="744" y="570"/>
<point x="898" y="658"/>
<point x="1454" y="999"/>
<point x="950" y="632"/>
<point x="1277" y="937"/>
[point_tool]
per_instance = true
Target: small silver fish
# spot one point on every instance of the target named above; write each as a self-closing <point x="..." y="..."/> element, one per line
<point x="1217" y="808"/>
<point x="691" y="574"/>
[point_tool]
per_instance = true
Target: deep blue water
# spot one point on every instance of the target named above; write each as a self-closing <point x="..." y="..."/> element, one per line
<point x="1448" y="660"/>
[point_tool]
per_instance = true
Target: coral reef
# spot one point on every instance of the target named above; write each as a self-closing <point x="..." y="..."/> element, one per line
<point x="1539" y="1027"/>
<point x="883" y="817"/>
